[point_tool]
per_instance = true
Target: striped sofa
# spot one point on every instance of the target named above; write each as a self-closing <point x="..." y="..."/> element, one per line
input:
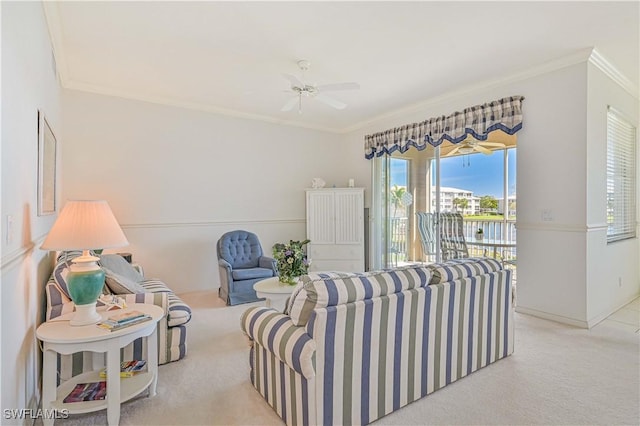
<point x="352" y="348"/>
<point x="172" y="331"/>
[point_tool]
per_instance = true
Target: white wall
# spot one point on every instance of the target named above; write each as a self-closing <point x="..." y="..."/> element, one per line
<point x="28" y="84"/>
<point x="612" y="273"/>
<point x="177" y="179"/>
<point x="551" y="175"/>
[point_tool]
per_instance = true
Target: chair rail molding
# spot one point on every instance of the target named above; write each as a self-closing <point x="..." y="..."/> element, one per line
<point x="11" y="259"/>
<point x="211" y="223"/>
<point x="560" y="227"/>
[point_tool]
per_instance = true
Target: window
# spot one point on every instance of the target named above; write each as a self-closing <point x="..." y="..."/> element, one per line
<point x="462" y="184"/>
<point x="621" y="178"/>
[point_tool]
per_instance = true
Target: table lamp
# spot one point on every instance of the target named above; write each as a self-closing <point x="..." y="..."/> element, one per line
<point x="85" y="225"/>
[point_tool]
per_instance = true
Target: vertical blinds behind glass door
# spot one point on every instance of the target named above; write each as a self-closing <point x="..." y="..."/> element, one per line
<point x="621" y="178"/>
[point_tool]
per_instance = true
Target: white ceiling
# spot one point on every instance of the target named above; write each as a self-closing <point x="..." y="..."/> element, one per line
<point x="229" y="56"/>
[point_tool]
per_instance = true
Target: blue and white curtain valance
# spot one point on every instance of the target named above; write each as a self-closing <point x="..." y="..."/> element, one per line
<point x="504" y="114"/>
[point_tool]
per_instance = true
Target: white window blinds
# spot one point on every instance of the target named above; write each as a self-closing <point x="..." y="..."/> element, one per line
<point x="621" y="178"/>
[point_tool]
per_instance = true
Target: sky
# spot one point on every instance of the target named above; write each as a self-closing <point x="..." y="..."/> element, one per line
<point x="483" y="174"/>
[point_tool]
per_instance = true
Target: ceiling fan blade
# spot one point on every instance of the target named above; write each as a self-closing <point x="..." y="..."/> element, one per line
<point x="493" y="144"/>
<point x="482" y="149"/>
<point x="338" y="86"/>
<point x="330" y="101"/>
<point x="290" y="104"/>
<point x="295" y="81"/>
<point x="453" y="151"/>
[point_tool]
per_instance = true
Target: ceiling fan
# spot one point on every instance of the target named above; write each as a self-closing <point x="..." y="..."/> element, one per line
<point x="471" y="145"/>
<point x="302" y="89"/>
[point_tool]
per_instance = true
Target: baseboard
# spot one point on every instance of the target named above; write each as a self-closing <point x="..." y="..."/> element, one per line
<point x="599" y="318"/>
<point x="552" y="317"/>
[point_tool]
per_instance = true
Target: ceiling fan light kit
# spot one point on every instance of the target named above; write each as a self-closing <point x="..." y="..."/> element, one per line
<point x="302" y="89"/>
<point x="471" y="145"/>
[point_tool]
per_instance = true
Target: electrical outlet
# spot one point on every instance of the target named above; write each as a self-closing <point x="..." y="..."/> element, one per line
<point x="619" y="281"/>
<point x="547" y="215"/>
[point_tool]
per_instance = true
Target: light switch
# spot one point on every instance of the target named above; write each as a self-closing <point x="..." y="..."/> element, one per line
<point x="9" y="229"/>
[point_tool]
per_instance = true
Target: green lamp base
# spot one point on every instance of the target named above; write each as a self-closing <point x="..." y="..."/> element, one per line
<point x="85" y="282"/>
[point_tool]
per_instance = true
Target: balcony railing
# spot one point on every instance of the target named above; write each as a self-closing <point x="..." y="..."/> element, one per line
<point x="494" y="230"/>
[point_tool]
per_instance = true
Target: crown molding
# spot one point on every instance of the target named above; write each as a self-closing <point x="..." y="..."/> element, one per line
<point x="174" y="102"/>
<point x="612" y="72"/>
<point x="556" y="64"/>
<point x="52" y="17"/>
<point x="591" y="55"/>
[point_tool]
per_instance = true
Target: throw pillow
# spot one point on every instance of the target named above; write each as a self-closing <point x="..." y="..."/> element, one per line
<point x="119" y="284"/>
<point x="116" y="264"/>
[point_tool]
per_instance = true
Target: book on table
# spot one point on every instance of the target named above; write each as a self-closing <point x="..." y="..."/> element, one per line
<point x="93" y="391"/>
<point x="123" y="319"/>
<point x="125" y="316"/>
<point x="128" y="368"/>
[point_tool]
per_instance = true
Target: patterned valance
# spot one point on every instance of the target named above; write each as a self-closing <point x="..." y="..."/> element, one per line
<point x="504" y="114"/>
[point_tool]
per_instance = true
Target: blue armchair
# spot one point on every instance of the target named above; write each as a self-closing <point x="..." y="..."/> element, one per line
<point x="241" y="264"/>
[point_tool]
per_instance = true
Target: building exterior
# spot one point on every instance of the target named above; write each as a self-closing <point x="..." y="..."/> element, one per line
<point x="511" y="206"/>
<point x="449" y="194"/>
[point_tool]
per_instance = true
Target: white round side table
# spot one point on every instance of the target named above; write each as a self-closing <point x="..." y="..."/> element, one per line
<point x="274" y="292"/>
<point x="59" y="337"/>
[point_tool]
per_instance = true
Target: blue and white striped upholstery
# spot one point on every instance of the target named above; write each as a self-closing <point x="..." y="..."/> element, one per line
<point x="376" y="354"/>
<point x="275" y="331"/>
<point x="171" y="328"/>
<point x="331" y="291"/>
<point x="460" y="268"/>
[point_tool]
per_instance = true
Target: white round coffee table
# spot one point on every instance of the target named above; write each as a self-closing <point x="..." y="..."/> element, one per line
<point x="274" y="292"/>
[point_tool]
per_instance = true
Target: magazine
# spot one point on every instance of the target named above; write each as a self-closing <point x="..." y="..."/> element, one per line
<point x="127" y="368"/>
<point x="94" y="391"/>
<point x="113" y="326"/>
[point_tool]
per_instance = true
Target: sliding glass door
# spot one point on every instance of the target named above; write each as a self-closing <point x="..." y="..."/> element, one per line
<point x="410" y="189"/>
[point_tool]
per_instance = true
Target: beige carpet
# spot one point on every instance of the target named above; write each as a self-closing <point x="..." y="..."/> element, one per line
<point x="558" y="375"/>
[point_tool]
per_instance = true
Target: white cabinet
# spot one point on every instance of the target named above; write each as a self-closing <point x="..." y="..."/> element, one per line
<point x="335" y="226"/>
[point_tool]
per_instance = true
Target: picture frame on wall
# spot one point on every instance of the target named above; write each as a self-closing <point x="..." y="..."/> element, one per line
<point x="46" y="167"/>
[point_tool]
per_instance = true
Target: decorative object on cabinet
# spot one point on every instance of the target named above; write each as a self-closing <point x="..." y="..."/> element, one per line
<point x="291" y="260"/>
<point x="85" y="225"/>
<point x="335" y="226"/>
<point x="317" y="183"/>
<point x="46" y="167"/>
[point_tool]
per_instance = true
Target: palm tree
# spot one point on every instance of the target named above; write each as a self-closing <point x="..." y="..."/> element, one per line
<point x="460" y="203"/>
<point x="396" y="193"/>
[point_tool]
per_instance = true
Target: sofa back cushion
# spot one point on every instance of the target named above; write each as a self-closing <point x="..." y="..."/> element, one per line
<point x="331" y="289"/>
<point x="462" y="268"/>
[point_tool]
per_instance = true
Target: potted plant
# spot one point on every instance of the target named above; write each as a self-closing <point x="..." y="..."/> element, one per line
<point x="479" y="234"/>
<point x="291" y="261"/>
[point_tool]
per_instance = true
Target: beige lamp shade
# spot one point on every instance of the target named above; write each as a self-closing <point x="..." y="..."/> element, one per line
<point x="85" y="225"/>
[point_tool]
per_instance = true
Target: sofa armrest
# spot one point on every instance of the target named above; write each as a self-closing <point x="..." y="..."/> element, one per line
<point x="178" y="312"/>
<point x="267" y="262"/>
<point x="225" y="269"/>
<point x="58" y="303"/>
<point x="158" y="299"/>
<point x="276" y="333"/>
